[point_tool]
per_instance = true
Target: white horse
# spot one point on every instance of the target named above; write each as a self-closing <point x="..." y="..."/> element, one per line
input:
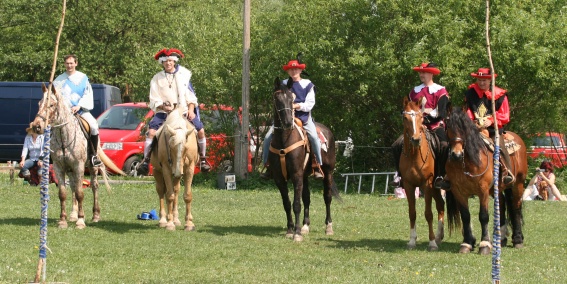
<point x="69" y="155"/>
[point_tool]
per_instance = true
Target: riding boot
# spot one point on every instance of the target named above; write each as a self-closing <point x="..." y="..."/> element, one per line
<point x="505" y="162"/>
<point x="396" y="152"/>
<point x="204" y="164"/>
<point x="143" y="168"/>
<point x="96" y="162"/>
<point x="267" y="174"/>
<point x="317" y="171"/>
<point x="441" y="180"/>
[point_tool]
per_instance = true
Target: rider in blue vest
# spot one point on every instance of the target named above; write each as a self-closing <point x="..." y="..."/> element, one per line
<point x="76" y="89"/>
<point x="304" y="91"/>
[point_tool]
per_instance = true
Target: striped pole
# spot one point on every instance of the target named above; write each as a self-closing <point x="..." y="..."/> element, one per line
<point x="44" y="200"/>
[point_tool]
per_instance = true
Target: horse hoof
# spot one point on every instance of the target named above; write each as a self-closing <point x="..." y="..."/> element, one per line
<point x="96" y="219"/>
<point x="170" y="227"/>
<point x="177" y="222"/>
<point x="518" y="246"/>
<point x="438" y="241"/>
<point x="465" y="248"/>
<point x="289" y="235"/>
<point x="189" y="228"/>
<point x="411" y="246"/>
<point x="62" y="225"/>
<point x="432" y="246"/>
<point x="305" y="230"/>
<point x="329" y="230"/>
<point x="297" y="238"/>
<point x="162" y="224"/>
<point x="81" y="224"/>
<point x="484" y="250"/>
<point x="73" y="218"/>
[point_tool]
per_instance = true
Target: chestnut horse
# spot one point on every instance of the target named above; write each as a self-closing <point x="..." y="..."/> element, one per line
<point x="293" y="162"/>
<point x="174" y="156"/>
<point x="69" y="154"/>
<point x="417" y="163"/>
<point x="470" y="170"/>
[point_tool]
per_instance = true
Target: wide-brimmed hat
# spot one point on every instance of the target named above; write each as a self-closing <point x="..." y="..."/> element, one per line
<point x="428" y="68"/>
<point x="168" y="53"/>
<point x="483" y="73"/>
<point x="293" y="64"/>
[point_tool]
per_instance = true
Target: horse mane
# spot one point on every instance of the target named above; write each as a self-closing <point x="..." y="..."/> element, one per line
<point x="459" y="122"/>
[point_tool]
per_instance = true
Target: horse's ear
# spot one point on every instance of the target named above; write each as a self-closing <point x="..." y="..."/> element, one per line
<point x="405" y="101"/>
<point x="449" y="108"/>
<point x="289" y="83"/>
<point x="43" y="87"/>
<point x="277" y="83"/>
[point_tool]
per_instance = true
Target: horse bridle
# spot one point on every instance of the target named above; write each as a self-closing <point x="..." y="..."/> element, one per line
<point x="283" y="109"/>
<point x="469" y="174"/>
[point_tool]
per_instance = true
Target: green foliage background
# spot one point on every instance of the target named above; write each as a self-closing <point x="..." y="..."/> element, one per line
<point x="359" y="53"/>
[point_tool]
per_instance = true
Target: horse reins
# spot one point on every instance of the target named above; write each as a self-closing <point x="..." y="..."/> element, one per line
<point x="469" y="174"/>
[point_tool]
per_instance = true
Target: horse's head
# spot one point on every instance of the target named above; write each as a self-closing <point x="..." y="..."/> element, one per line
<point x="176" y="133"/>
<point x="283" y="99"/>
<point x="48" y="109"/>
<point x="412" y="120"/>
<point x="463" y="134"/>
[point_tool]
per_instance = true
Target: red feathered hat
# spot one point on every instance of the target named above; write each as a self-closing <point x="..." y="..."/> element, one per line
<point x="428" y="68"/>
<point x="169" y="52"/>
<point x="293" y="64"/>
<point x="483" y="73"/>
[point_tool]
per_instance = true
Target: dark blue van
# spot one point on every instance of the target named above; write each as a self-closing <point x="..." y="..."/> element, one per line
<point x="19" y="105"/>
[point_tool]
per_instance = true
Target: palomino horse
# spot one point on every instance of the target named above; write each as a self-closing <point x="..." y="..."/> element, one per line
<point x="470" y="170"/>
<point x="417" y="163"/>
<point x="292" y="162"/>
<point x="174" y="157"/>
<point x="69" y="154"/>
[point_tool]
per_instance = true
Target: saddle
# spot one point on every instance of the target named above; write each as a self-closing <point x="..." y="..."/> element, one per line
<point x="85" y="127"/>
<point x="509" y="142"/>
<point x="322" y="138"/>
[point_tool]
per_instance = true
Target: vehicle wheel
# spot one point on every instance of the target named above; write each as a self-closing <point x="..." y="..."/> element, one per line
<point x="131" y="164"/>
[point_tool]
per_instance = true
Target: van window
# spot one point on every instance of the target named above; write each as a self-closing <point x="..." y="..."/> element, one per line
<point x="547" y="141"/>
<point x="122" y="118"/>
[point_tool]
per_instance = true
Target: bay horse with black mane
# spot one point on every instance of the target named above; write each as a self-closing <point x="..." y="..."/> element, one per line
<point x="289" y="159"/>
<point x="69" y="155"/>
<point x="470" y="169"/>
<point x="417" y="164"/>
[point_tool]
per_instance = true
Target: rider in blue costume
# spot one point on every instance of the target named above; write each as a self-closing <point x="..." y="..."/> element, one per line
<point x="304" y="102"/>
<point x="76" y="89"/>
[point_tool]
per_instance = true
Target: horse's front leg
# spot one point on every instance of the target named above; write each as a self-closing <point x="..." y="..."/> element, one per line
<point x="282" y="186"/>
<point x="485" y="246"/>
<point x="468" y="238"/>
<point x="427" y="190"/>
<point x="188" y="198"/>
<point x="176" y="189"/>
<point x="306" y="196"/>
<point x="160" y="189"/>
<point x="94" y="187"/>
<point x="170" y="197"/>
<point x="328" y="184"/>
<point x="62" y="199"/>
<point x="410" y="196"/>
<point x="297" y="195"/>
<point x="76" y="184"/>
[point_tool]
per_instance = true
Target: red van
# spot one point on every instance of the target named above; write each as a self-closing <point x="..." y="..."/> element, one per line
<point x="552" y="146"/>
<point x="122" y="134"/>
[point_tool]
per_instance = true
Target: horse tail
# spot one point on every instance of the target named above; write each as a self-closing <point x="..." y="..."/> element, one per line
<point x="109" y="163"/>
<point x="335" y="191"/>
<point x="453" y="213"/>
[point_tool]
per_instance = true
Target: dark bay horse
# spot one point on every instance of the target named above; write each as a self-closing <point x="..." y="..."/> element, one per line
<point x="174" y="157"/>
<point x="293" y="162"/>
<point x="417" y="163"/>
<point x="69" y="155"/>
<point x="470" y="169"/>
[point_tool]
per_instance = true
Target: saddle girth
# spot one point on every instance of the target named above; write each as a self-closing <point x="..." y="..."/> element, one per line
<point x="282" y="152"/>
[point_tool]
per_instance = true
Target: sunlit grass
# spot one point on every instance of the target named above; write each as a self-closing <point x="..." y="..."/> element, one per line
<point x="240" y="239"/>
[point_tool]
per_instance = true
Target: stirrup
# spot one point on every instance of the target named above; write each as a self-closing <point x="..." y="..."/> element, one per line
<point x="508" y="179"/>
<point x="441" y="183"/>
<point x="95" y="161"/>
<point x="318" y="172"/>
<point x="204" y="164"/>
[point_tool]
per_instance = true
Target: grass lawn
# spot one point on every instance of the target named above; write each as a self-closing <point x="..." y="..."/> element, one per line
<point x="240" y="239"/>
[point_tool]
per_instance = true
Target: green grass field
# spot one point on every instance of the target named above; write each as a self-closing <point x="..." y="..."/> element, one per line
<point x="240" y="239"/>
